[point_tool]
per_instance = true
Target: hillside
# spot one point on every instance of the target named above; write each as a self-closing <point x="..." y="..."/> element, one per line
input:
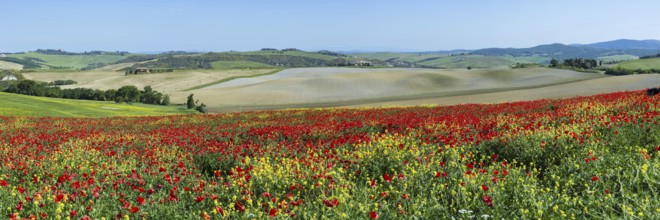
<point x="22" y="105"/>
<point x="4" y="65"/>
<point x="561" y="51"/>
<point x="263" y="59"/>
<point x="60" y="61"/>
<point x="623" y="44"/>
<point x="464" y="61"/>
<point x="641" y="64"/>
<point x="323" y="87"/>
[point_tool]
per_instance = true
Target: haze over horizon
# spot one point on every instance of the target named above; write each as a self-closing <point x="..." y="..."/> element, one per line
<point x="416" y="25"/>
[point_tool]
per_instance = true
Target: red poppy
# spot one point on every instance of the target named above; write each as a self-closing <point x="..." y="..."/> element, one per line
<point x="488" y="200"/>
<point x="220" y="210"/>
<point x="594" y="178"/>
<point x="199" y="199"/>
<point x="72" y="213"/>
<point x="266" y="194"/>
<point x="331" y="203"/>
<point x="387" y="178"/>
<point x="373" y="215"/>
<point x="239" y="206"/>
<point x="484" y="187"/>
<point x="85" y="218"/>
<point x="272" y="213"/>
<point x="140" y="200"/>
<point x="135" y="209"/>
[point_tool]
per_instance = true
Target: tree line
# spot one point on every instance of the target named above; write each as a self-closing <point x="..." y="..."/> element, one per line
<point x="619" y="71"/>
<point x="650" y="56"/>
<point x="125" y="94"/>
<point x="578" y="63"/>
<point x="94" y="52"/>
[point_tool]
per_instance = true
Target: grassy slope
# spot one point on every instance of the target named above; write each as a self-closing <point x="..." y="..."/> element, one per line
<point x="641" y="64"/>
<point x="615" y="58"/>
<point x="408" y="57"/>
<point x="447" y="62"/>
<point x="464" y="61"/>
<point x="72" y="61"/>
<point x="239" y="65"/>
<point x="289" y="53"/>
<point x="4" y="65"/>
<point x="22" y="105"/>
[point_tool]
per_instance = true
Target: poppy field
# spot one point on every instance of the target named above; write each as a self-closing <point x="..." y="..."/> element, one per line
<point x="587" y="157"/>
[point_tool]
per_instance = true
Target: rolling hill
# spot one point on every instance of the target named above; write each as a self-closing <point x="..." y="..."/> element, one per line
<point x="641" y="64"/>
<point x="562" y="51"/>
<point x="57" y="61"/>
<point x="626" y="44"/>
<point x="22" y="105"/>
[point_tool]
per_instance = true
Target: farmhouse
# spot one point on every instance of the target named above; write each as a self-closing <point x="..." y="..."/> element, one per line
<point x="363" y="63"/>
<point x="142" y="70"/>
<point x="3" y="55"/>
<point x="9" y="78"/>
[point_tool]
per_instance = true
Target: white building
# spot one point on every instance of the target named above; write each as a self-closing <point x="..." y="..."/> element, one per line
<point x="9" y="78"/>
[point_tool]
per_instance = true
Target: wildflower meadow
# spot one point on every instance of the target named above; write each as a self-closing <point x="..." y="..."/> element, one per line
<point x="591" y="157"/>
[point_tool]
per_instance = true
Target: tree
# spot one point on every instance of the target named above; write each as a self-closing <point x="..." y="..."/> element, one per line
<point x="191" y="102"/>
<point x="469" y="68"/>
<point x="148" y="96"/>
<point x="166" y="100"/>
<point x="554" y="62"/>
<point x="110" y="94"/>
<point x="201" y="108"/>
<point x="128" y="94"/>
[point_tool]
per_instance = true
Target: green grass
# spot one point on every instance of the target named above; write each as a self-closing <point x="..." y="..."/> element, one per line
<point x="530" y="59"/>
<point x="71" y="61"/>
<point x="643" y="64"/>
<point x="231" y="78"/>
<point x="223" y="65"/>
<point x="407" y="57"/>
<point x="289" y="53"/>
<point x="616" y="58"/>
<point x="463" y="61"/>
<point x="22" y="105"/>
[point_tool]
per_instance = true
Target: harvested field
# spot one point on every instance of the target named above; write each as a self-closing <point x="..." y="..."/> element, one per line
<point x="312" y="87"/>
<point x="4" y="65"/>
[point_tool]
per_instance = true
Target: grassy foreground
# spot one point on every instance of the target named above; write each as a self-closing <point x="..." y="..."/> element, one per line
<point x="581" y="158"/>
<point x="22" y="105"/>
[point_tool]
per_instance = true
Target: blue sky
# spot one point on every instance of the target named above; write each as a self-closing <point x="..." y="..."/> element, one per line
<point x="205" y="25"/>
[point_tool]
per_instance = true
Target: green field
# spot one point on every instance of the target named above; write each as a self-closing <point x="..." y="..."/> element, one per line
<point x="22" y="105"/>
<point x="223" y="65"/>
<point x="407" y="57"/>
<point x="70" y="61"/>
<point x="463" y="61"/>
<point x="616" y="58"/>
<point x="289" y="53"/>
<point x="530" y="59"/>
<point x="643" y="64"/>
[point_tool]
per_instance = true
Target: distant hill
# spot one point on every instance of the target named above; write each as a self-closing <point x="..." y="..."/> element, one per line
<point x="562" y="51"/>
<point x="626" y="44"/>
<point x="265" y="58"/>
<point x="609" y="51"/>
